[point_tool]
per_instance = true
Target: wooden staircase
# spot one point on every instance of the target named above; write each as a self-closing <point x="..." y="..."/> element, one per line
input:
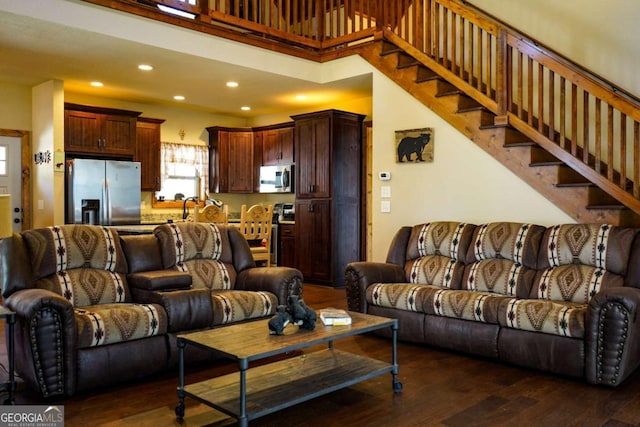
<point x="563" y="186"/>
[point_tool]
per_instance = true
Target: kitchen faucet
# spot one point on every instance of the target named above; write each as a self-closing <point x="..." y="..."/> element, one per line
<point x="185" y="211"/>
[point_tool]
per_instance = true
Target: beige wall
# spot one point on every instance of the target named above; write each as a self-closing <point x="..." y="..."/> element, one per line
<point x="47" y="136"/>
<point x="15" y="107"/>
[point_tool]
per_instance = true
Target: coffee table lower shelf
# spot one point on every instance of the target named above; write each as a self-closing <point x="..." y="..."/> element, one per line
<point x="282" y="384"/>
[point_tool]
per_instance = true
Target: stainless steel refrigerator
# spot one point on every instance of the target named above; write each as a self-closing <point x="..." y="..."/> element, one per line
<point x="103" y="192"/>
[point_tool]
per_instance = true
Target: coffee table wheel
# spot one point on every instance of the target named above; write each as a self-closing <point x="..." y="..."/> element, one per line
<point x="397" y="386"/>
<point x="180" y="411"/>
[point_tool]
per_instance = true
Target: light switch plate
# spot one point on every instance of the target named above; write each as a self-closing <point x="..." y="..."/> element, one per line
<point x="385" y="191"/>
<point x="385" y="206"/>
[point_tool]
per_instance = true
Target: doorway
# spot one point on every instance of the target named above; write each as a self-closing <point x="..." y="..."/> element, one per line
<point x="15" y="175"/>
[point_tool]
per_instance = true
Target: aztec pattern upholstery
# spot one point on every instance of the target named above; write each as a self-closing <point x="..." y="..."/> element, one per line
<point x="235" y="306"/>
<point x="199" y="249"/>
<point x="575" y="262"/>
<point x="86" y="265"/>
<point x="435" y="260"/>
<point x="436" y="253"/>
<point x="112" y="323"/>
<point x="501" y="264"/>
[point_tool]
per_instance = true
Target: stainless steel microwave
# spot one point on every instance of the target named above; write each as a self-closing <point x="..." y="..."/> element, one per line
<point x="276" y="179"/>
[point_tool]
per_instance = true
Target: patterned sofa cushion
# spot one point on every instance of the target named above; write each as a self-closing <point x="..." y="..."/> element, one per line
<point x="236" y="306"/>
<point x="401" y="296"/>
<point x="577" y="260"/>
<point x="436" y="253"/>
<point x="83" y="263"/>
<point x="502" y="258"/>
<point x="198" y="249"/>
<point x="462" y="304"/>
<point x="112" y="323"/>
<point x="550" y="317"/>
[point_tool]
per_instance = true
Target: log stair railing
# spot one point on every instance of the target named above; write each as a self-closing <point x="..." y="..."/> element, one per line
<point x="553" y="178"/>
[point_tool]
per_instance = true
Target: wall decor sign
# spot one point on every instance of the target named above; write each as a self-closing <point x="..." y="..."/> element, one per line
<point x="414" y="145"/>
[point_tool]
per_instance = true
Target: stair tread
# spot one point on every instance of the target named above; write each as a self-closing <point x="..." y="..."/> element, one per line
<point x="575" y="184"/>
<point x="519" y="144"/>
<point x="469" y="109"/>
<point x="611" y="207"/>
<point x="548" y="163"/>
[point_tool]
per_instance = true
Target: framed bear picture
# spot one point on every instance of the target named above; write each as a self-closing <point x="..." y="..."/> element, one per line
<point x="414" y="145"/>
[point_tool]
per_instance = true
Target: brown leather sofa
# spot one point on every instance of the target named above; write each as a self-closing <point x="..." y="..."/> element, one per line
<point x="563" y="299"/>
<point x="95" y="308"/>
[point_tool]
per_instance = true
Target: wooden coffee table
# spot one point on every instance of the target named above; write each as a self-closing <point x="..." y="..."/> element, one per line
<point x="258" y="391"/>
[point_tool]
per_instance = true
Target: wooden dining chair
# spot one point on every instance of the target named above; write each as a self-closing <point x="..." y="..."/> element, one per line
<point x="214" y="214"/>
<point x="255" y="225"/>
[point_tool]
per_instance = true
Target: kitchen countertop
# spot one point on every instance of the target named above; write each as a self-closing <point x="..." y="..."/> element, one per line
<point x="144" y="228"/>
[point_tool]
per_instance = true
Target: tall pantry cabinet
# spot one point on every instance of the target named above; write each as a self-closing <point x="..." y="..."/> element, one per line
<point x="328" y="171"/>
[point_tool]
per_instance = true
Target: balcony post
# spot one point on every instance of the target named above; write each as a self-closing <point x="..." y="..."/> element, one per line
<point x="503" y="77"/>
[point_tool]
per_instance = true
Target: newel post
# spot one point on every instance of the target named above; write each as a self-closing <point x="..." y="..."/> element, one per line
<point x="503" y="77"/>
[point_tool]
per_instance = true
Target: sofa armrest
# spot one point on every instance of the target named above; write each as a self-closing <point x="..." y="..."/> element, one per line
<point x="46" y="340"/>
<point x="159" y="280"/>
<point x="360" y="275"/>
<point x="612" y="335"/>
<point x="281" y="281"/>
<point x="186" y="309"/>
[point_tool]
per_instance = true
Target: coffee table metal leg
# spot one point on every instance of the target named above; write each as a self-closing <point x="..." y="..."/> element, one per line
<point x="242" y="419"/>
<point x="397" y="385"/>
<point x="180" y="407"/>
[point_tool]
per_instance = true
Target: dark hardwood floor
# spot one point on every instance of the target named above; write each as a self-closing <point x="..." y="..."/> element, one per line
<point x="440" y="389"/>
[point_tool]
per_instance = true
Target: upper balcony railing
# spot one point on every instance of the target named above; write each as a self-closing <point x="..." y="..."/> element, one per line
<point x="574" y="114"/>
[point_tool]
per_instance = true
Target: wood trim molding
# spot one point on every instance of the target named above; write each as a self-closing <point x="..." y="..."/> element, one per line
<point x="25" y="138"/>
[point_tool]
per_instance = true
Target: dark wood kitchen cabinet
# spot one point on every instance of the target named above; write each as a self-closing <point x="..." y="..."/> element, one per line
<point x="277" y="145"/>
<point x="148" y="152"/>
<point x="328" y="155"/>
<point x="99" y="131"/>
<point x="231" y="160"/>
<point x="287" y="250"/>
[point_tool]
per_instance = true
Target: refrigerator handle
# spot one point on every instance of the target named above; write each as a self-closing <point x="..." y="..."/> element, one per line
<point x="106" y="210"/>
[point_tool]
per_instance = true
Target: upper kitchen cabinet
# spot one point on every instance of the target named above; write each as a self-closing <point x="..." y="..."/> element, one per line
<point x="277" y="145"/>
<point x="328" y="154"/>
<point x="100" y="131"/>
<point x="148" y="152"/>
<point x="313" y="155"/>
<point x="231" y="160"/>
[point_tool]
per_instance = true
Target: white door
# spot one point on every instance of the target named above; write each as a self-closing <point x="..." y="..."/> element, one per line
<point x="10" y="182"/>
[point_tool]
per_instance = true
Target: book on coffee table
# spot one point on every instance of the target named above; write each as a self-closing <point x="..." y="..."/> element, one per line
<point x="334" y="317"/>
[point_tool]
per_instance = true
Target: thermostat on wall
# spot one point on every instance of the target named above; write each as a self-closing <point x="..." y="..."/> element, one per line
<point x="384" y="176"/>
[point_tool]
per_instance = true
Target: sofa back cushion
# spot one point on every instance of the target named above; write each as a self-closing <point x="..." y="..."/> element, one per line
<point x="436" y="252"/>
<point x="502" y="258"/>
<point x="200" y="249"/>
<point x="83" y="263"/>
<point x="577" y="260"/>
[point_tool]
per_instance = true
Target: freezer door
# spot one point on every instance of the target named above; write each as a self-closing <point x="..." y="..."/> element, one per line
<point x="85" y="189"/>
<point x="122" y="196"/>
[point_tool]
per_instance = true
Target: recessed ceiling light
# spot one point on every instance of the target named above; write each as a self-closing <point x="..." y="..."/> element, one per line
<point x="232" y="84"/>
<point x="245" y="108"/>
<point x="301" y="97"/>
<point x="97" y="84"/>
<point x="145" y="67"/>
<point x="179" y="98"/>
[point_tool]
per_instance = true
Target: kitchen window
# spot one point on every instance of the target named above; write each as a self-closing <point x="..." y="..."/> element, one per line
<point x="184" y="171"/>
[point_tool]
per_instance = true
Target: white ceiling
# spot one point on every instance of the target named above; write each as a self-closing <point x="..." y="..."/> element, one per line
<point x="33" y="51"/>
